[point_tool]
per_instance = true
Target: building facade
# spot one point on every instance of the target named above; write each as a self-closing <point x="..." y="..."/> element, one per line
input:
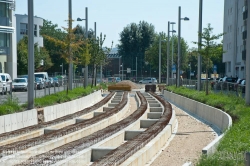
<point x="235" y="38"/>
<point x="22" y="28"/>
<point x="8" y="57"/>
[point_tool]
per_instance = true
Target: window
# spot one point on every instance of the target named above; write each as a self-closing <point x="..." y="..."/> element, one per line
<point x="40" y="27"/>
<point x="229" y="45"/>
<point x="229" y="67"/>
<point x="24" y="29"/>
<point x="35" y="30"/>
<point x="230" y="28"/>
<point x="4" y="40"/>
<point x="4" y="10"/>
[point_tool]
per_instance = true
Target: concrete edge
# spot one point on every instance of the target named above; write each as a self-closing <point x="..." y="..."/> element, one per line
<point x="211" y="147"/>
<point x="145" y="154"/>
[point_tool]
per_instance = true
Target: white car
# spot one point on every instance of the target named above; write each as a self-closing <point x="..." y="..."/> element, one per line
<point x="20" y="84"/>
<point x="148" y="81"/>
<point x="6" y="80"/>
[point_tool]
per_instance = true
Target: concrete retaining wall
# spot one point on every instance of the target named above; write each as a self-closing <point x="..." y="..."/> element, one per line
<point x="57" y="111"/>
<point x="153" y="147"/>
<point x="17" y="121"/>
<point x="217" y="118"/>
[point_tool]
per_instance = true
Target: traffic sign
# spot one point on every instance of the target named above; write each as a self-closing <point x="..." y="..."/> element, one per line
<point x="128" y="70"/>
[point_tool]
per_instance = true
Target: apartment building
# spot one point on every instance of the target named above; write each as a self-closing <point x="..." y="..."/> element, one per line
<point x="235" y="38"/>
<point x="8" y="57"/>
<point x="22" y="28"/>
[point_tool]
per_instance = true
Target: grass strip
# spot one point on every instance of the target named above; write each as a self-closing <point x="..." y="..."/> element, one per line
<point x="236" y="142"/>
<point x="11" y="105"/>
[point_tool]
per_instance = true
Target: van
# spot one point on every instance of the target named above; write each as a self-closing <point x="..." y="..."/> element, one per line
<point x="6" y="81"/>
<point x="44" y="76"/>
<point x="1" y="86"/>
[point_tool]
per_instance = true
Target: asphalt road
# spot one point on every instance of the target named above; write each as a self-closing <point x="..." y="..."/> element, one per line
<point x="23" y="96"/>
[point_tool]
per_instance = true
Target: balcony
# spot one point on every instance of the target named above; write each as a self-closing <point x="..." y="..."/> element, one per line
<point x="244" y="35"/>
<point x="244" y="52"/>
<point x="4" y="51"/>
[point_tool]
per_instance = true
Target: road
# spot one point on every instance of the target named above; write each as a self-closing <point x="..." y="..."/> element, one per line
<point x="23" y="96"/>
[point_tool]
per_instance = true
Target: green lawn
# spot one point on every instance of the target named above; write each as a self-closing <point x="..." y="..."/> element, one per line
<point x="12" y="106"/>
<point x="237" y="139"/>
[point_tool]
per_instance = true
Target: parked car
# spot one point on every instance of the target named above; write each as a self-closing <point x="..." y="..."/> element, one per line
<point x="148" y="81"/>
<point x="114" y="79"/>
<point x="20" y="84"/>
<point x="238" y="82"/>
<point x="56" y="82"/>
<point x="6" y="81"/>
<point x="39" y="83"/>
<point x="228" y="82"/>
<point x="44" y="76"/>
<point x="214" y="82"/>
<point x="243" y="84"/>
<point x="51" y="82"/>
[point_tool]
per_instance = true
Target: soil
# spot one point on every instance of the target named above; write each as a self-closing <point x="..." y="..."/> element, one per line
<point x="190" y="138"/>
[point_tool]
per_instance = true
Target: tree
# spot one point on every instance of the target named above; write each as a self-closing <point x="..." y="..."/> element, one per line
<point x="134" y="40"/>
<point x="51" y="33"/>
<point x="208" y="49"/>
<point x="40" y="54"/>
<point x="152" y="53"/>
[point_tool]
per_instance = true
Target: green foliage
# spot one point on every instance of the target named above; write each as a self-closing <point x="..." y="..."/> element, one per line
<point x="134" y="40"/>
<point x="10" y="106"/>
<point x="236" y="140"/>
<point x="39" y="55"/>
<point x="209" y="48"/>
<point x="152" y="53"/>
<point x="62" y="96"/>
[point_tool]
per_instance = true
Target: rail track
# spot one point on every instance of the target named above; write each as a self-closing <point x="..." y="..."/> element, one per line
<point x="27" y="130"/>
<point x="18" y="153"/>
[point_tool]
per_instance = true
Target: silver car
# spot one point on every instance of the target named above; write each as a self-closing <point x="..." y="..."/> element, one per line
<point x="148" y="81"/>
<point x="20" y="84"/>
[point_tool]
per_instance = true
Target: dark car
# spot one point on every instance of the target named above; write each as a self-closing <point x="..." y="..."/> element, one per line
<point x="228" y="82"/>
<point x="39" y="83"/>
<point x="51" y="82"/>
<point x="56" y="82"/>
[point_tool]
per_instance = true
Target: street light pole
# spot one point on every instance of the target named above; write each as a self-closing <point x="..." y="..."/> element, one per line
<point x="159" y="59"/>
<point x="62" y="68"/>
<point x="86" y="66"/>
<point x="172" y="48"/>
<point x="179" y="45"/>
<point x="31" y="54"/>
<point x="199" y="47"/>
<point x="168" y="52"/>
<point x="70" y="75"/>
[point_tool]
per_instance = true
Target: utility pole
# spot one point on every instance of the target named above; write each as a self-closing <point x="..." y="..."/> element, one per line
<point x="199" y="47"/>
<point x="86" y="66"/>
<point x="31" y="54"/>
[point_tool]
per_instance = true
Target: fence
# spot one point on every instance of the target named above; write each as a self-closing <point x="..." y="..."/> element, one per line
<point x="217" y="87"/>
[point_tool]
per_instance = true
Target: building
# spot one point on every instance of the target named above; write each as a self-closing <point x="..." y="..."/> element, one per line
<point x="22" y="28"/>
<point x="8" y="57"/>
<point x="235" y="38"/>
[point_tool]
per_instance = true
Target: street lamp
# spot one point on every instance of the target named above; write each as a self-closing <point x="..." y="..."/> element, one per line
<point x="160" y="58"/>
<point x="179" y="45"/>
<point x="169" y="50"/>
<point x="189" y="71"/>
<point x="62" y="68"/>
<point x="86" y="27"/>
<point x="122" y="71"/>
<point x="173" y="31"/>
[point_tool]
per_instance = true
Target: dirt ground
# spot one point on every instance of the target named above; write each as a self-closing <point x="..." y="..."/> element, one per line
<point x="189" y="140"/>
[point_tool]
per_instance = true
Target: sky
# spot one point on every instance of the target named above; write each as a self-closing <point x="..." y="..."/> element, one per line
<point x="111" y="16"/>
